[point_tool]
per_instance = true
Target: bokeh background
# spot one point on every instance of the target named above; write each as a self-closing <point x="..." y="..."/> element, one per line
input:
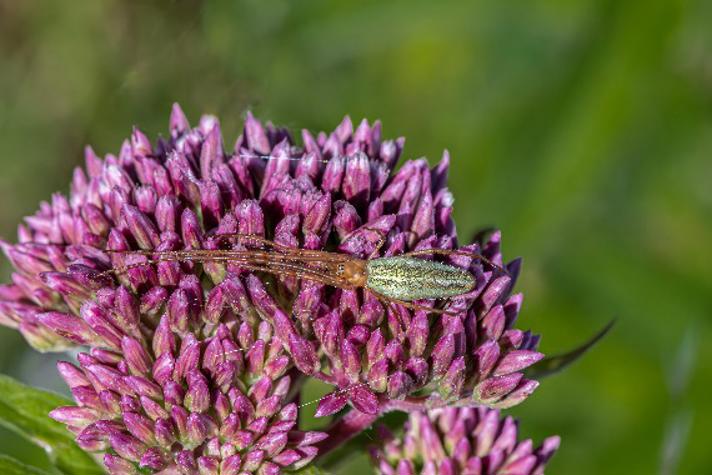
<point x="582" y="129"/>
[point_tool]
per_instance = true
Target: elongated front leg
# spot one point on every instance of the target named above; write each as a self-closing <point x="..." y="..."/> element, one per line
<point x="307" y="255"/>
<point x="254" y="238"/>
<point x="306" y="273"/>
<point x="163" y="256"/>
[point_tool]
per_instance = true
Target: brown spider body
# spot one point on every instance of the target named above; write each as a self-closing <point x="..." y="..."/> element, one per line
<point x="399" y="279"/>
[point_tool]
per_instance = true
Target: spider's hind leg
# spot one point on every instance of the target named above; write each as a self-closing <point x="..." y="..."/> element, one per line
<point x="413" y="306"/>
<point x="455" y="252"/>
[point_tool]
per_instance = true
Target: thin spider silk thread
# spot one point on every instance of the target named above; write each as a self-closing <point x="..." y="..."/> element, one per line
<point x="340" y="391"/>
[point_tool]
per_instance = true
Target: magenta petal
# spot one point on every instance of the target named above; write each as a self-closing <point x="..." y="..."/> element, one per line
<point x="516" y="360"/>
<point x="364" y="400"/>
<point x="331" y="404"/>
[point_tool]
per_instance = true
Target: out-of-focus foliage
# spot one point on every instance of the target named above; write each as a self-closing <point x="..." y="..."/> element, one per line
<point x="10" y="466"/>
<point x="582" y="129"/>
<point x="23" y="410"/>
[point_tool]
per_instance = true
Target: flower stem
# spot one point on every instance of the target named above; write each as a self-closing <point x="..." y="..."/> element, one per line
<point x="349" y="426"/>
<point x="405" y="405"/>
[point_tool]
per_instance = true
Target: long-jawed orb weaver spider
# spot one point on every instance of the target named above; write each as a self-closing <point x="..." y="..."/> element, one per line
<point x="400" y="279"/>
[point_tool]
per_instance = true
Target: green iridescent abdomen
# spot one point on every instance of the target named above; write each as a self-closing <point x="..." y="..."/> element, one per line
<point x="408" y="278"/>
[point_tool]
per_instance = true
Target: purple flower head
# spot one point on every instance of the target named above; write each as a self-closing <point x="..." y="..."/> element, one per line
<point x="197" y="364"/>
<point x="216" y="405"/>
<point x="460" y="441"/>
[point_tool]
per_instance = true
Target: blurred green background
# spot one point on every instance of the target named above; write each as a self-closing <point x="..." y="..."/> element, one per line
<point x="582" y="129"/>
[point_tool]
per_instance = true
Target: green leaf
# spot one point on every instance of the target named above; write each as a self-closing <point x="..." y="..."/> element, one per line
<point x="310" y="470"/>
<point x="354" y="453"/>
<point x="24" y="410"/>
<point x="554" y="364"/>
<point x="11" y="466"/>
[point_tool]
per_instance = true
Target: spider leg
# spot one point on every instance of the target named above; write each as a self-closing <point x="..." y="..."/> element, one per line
<point x="414" y="237"/>
<point x="254" y="238"/>
<point x="277" y="261"/>
<point x="410" y="305"/>
<point x="381" y="242"/>
<point x="381" y="239"/>
<point x="450" y="252"/>
<point x="184" y="255"/>
<point x="193" y="255"/>
<point x="168" y="256"/>
<point x="306" y="254"/>
<point x="305" y="273"/>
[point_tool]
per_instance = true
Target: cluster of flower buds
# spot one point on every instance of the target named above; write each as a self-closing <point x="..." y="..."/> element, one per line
<point x="197" y="365"/>
<point x="217" y="405"/>
<point x="460" y="441"/>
